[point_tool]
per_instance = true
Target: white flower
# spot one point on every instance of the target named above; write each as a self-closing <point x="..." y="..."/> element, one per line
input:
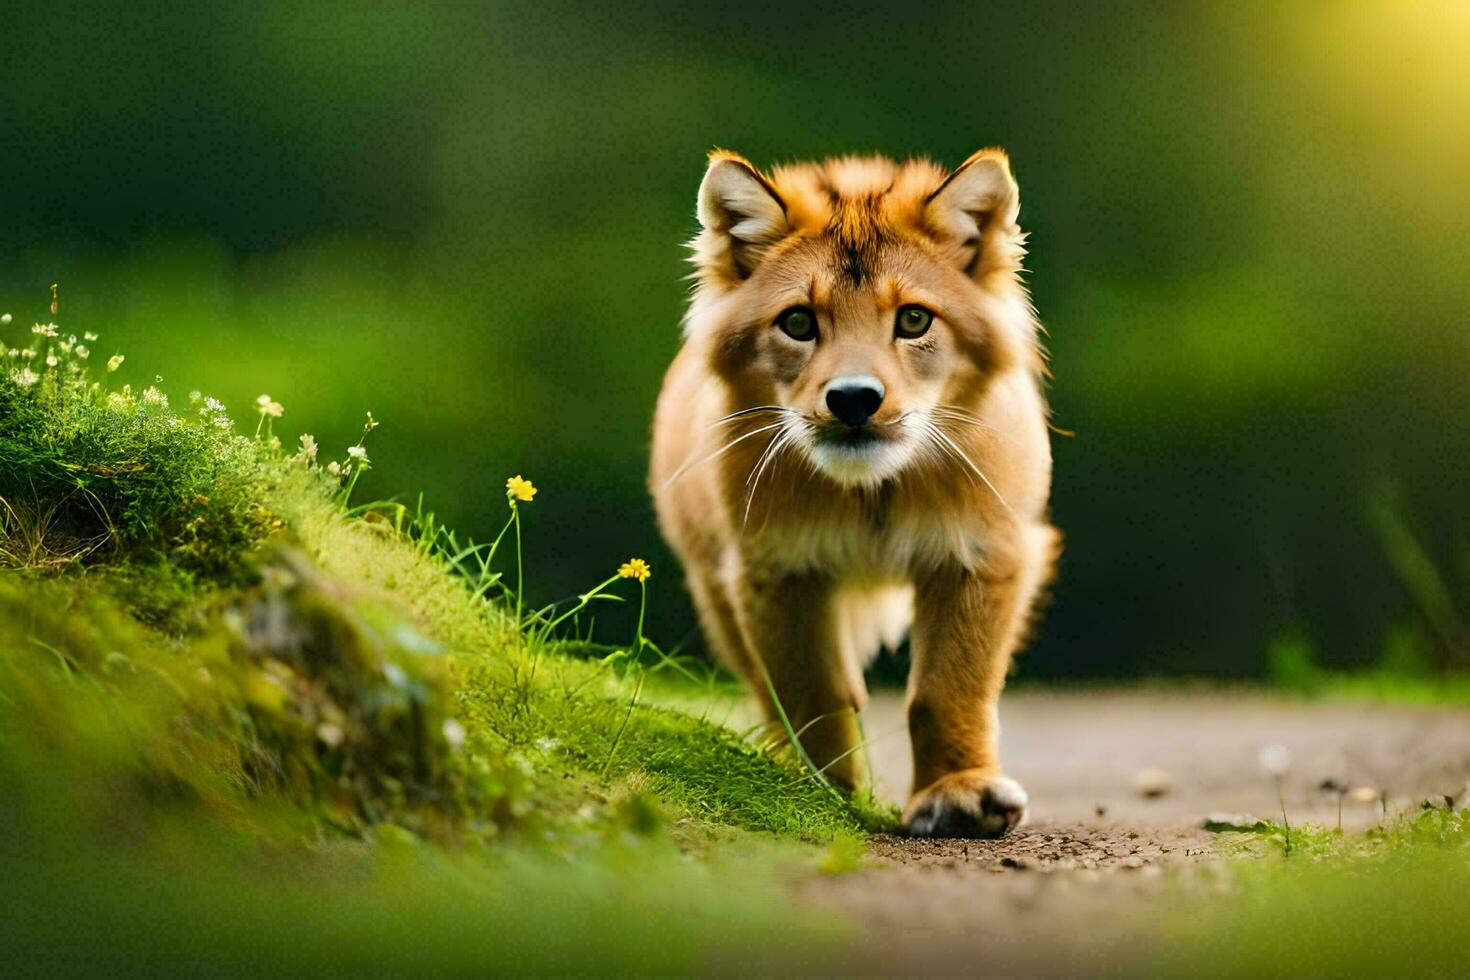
<point x="5" y="318"/>
<point x="1275" y="760"/>
<point x="51" y="360"/>
<point x="152" y="396"/>
<point x="44" y="329"/>
<point x="453" y="732"/>
<point x="266" y="407"/>
<point x="195" y="397"/>
<point x="89" y="335"/>
<point x="114" y="362"/>
<point x="25" y="377"/>
<point x="334" y="468"/>
<point x="308" y="447"/>
<point x="357" y="452"/>
<point x="83" y="352"/>
<point x="28" y="353"/>
<point x="212" y="406"/>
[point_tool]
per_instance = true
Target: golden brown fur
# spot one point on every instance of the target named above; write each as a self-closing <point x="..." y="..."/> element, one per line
<point x="809" y="541"/>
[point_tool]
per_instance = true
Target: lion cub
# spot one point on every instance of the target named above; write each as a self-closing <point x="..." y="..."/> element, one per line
<point x="852" y="443"/>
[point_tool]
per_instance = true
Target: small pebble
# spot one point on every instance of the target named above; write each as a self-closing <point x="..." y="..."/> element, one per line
<point x="1152" y="783"/>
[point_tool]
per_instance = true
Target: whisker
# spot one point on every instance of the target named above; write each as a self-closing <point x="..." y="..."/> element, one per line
<point x="950" y="413"/>
<point x="943" y="452"/>
<point x="978" y="472"/>
<point x="778" y="445"/>
<point x="690" y="464"/>
<point x="760" y="460"/>
<point x="748" y="411"/>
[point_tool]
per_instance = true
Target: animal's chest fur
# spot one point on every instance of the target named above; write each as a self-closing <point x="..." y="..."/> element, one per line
<point x="875" y="534"/>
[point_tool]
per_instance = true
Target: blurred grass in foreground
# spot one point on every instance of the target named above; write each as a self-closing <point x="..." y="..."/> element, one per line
<point x="1388" y="903"/>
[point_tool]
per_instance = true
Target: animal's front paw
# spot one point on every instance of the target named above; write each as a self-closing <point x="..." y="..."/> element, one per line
<point x="972" y="803"/>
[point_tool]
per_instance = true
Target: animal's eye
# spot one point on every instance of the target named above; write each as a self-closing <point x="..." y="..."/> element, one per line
<point x="798" y="323"/>
<point x="912" y="321"/>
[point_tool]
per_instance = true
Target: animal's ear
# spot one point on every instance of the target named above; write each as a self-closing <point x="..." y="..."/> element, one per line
<point x="973" y="214"/>
<point x="741" y="213"/>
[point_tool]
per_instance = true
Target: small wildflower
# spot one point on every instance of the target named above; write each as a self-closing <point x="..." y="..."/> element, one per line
<point x="13" y="352"/>
<point x="25" y="377"/>
<point x="195" y="397"/>
<point x="44" y="329"/>
<point x="222" y="422"/>
<point x="5" y="319"/>
<point x="83" y="351"/>
<point x="372" y="423"/>
<point x="51" y="360"/>
<point x="453" y="732"/>
<point x="155" y="398"/>
<point x="308" y="447"/>
<point x="635" y="568"/>
<point x="1275" y="760"/>
<point x="114" y="362"/>
<point x="213" y="406"/>
<point x="357" y="452"/>
<point x="268" y="408"/>
<point x="89" y="336"/>
<point x="334" y="468"/>
<point x="29" y="353"/>
<point x="518" y="488"/>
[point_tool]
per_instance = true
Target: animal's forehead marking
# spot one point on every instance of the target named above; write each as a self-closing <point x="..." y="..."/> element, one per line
<point x="858" y="231"/>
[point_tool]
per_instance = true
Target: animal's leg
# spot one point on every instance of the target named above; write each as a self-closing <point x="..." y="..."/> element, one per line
<point x="790" y="629"/>
<point x="967" y="624"/>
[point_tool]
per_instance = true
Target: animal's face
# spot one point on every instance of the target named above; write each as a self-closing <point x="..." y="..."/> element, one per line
<point x="865" y="303"/>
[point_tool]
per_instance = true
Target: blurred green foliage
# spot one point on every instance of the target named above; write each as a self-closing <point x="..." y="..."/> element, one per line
<point x="1249" y="224"/>
<point x="1390" y="902"/>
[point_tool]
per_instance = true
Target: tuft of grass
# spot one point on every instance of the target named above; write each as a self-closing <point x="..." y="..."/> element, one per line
<point x="1386" y="903"/>
<point x="89" y="475"/>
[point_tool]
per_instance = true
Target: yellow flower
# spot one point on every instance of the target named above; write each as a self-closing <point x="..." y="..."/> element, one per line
<point x="635" y="568"/>
<point x="518" y="488"/>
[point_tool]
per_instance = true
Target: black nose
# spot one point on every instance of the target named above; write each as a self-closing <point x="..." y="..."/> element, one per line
<point x="854" y="400"/>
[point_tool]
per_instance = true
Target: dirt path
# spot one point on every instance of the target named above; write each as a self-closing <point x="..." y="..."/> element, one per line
<point x="1092" y="852"/>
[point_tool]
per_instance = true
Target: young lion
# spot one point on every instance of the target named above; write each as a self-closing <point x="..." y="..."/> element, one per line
<point x="853" y="443"/>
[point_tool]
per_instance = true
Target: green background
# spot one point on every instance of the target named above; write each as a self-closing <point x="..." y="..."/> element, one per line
<point x="1250" y="231"/>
